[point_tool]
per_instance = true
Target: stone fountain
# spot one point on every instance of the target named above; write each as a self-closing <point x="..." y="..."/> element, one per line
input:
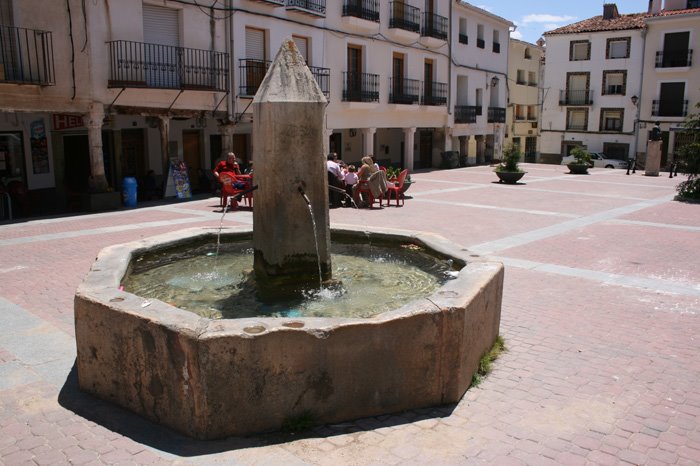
<point x="215" y="378"/>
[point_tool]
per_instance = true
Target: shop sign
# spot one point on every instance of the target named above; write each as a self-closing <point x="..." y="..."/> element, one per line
<point x="63" y="121"/>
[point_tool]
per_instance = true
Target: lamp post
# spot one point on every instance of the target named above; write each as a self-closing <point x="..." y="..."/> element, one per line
<point x="632" y="162"/>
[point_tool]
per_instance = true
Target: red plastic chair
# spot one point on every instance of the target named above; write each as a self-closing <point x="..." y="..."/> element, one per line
<point x="228" y="190"/>
<point x="397" y="188"/>
<point x="364" y="193"/>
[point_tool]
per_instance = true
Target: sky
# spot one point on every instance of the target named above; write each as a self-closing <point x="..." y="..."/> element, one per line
<point x="534" y="17"/>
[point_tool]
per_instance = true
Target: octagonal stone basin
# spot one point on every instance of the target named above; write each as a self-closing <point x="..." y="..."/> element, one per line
<point x="211" y="379"/>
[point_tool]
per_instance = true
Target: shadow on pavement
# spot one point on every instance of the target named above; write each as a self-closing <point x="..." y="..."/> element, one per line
<point x="128" y="424"/>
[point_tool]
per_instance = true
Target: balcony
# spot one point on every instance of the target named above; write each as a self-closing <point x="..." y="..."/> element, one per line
<point x="360" y="87"/>
<point x="154" y="66"/>
<point x="481" y="43"/>
<point x="434" y="94"/>
<point x="466" y="113"/>
<point x="496" y="115"/>
<point x="496" y="47"/>
<point x="363" y="9"/>
<point x="26" y="56"/>
<point x="463" y="39"/>
<point x="404" y="17"/>
<point x="309" y="7"/>
<point x="404" y="91"/>
<point x="253" y="71"/>
<point x="674" y="59"/>
<point x="584" y="97"/>
<point x="434" y="26"/>
<point x="669" y="108"/>
<point x="272" y="2"/>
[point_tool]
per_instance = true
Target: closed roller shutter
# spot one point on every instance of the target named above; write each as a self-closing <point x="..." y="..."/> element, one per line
<point x="160" y="26"/>
<point x="255" y="44"/>
<point x="161" y="33"/>
<point x="303" y="46"/>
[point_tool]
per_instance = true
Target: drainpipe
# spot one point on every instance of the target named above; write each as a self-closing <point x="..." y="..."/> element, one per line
<point x="231" y="61"/>
<point x="449" y="63"/>
<point x="638" y="105"/>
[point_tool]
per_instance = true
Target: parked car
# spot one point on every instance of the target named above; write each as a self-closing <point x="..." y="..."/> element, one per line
<point x="599" y="160"/>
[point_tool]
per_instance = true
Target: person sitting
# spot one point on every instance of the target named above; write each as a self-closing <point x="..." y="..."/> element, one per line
<point x="230" y="166"/>
<point x="335" y="178"/>
<point x="363" y="174"/>
<point x="350" y="181"/>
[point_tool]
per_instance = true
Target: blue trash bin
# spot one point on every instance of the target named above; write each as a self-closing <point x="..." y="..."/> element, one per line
<point x="129" y="191"/>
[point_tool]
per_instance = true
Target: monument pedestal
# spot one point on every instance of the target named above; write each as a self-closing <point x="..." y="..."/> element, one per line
<point x="653" y="161"/>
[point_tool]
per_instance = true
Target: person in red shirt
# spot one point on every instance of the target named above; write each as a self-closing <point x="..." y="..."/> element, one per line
<point x="229" y="165"/>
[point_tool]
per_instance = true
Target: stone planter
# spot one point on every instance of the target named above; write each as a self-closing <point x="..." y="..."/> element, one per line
<point x="578" y="168"/>
<point x="509" y="177"/>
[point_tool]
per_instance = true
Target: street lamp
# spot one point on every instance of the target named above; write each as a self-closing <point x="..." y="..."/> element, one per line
<point x="632" y="162"/>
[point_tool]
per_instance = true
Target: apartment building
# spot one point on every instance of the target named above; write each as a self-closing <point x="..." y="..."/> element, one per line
<point x="92" y="92"/>
<point x="592" y="85"/>
<point x="479" y="72"/>
<point x="525" y="68"/>
<point x="671" y="84"/>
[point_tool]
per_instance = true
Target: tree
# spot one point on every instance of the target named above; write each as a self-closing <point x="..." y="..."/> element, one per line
<point x="690" y="160"/>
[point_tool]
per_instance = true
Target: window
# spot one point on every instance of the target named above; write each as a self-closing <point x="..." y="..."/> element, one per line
<point x="579" y="50"/>
<point x="463" y="37"/>
<point x="527" y="55"/>
<point x="618" y="48"/>
<point x="532" y="78"/>
<point x="693" y="4"/>
<point x="480" y="42"/>
<point x="671" y="100"/>
<point x="530" y="146"/>
<point x="611" y="119"/>
<point x="302" y="44"/>
<point x="496" y="42"/>
<point x="576" y="119"/>
<point x="532" y="112"/>
<point x="520" y="79"/>
<point x="478" y="99"/>
<point x="519" y="112"/>
<point x="614" y="82"/>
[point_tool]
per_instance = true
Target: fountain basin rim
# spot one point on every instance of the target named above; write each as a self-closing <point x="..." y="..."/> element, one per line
<point x="103" y="281"/>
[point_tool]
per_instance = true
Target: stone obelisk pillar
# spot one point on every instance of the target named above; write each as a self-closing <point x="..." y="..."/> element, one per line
<point x="288" y="131"/>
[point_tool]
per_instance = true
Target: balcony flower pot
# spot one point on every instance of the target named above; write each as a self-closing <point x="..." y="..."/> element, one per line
<point x="578" y="168"/>
<point x="508" y="171"/>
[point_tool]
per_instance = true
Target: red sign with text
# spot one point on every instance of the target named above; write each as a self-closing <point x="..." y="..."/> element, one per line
<point x="62" y="121"/>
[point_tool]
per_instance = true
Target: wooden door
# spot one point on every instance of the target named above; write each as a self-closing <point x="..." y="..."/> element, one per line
<point x="192" y="153"/>
<point x="133" y="157"/>
<point x="354" y="80"/>
<point x="426" y="149"/>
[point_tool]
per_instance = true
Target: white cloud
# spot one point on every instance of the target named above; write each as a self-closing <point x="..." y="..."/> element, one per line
<point x="516" y="35"/>
<point x="550" y="26"/>
<point x="547" y="19"/>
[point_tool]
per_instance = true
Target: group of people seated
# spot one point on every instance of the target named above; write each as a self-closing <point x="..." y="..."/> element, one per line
<point x="354" y="181"/>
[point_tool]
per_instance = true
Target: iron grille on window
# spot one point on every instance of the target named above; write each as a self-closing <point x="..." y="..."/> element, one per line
<point x="26" y="56"/>
<point x="316" y="7"/>
<point x="480" y="43"/>
<point x="138" y="64"/>
<point x="674" y="108"/>
<point x="576" y="97"/>
<point x="360" y="87"/>
<point x="364" y="9"/>
<point x="403" y="91"/>
<point x="404" y="16"/>
<point x="674" y="59"/>
<point x="496" y="47"/>
<point x="466" y="113"/>
<point x="496" y="115"/>
<point x="434" y="93"/>
<point x="252" y="72"/>
<point x="434" y="26"/>
<point x="463" y="39"/>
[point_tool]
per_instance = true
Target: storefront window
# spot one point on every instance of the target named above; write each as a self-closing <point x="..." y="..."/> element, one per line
<point x="11" y="157"/>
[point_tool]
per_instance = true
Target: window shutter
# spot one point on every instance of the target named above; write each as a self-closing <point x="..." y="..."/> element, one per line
<point x="303" y="46"/>
<point x="160" y="26"/>
<point x="255" y="44"/>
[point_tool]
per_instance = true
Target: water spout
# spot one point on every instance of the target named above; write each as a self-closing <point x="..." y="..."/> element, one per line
<point x="306" y="198"/>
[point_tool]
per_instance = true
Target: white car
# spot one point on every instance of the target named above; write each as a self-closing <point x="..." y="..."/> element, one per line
<point x="599" y="160"/>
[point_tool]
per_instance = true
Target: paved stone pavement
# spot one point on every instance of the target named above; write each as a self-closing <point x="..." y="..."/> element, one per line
<point x="600" y="317"/>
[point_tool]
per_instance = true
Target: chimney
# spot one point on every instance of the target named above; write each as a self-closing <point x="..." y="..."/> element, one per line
<point x="610" y="11"/>
<point x="654" y="7"/>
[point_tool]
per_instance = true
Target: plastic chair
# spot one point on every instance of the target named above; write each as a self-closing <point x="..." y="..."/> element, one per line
<point x="228" y="190"/>
<point x="397" y="189"/>
<point x="364" y="190"/>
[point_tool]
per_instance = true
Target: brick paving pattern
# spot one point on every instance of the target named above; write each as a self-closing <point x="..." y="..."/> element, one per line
<point x="600" y="317"/>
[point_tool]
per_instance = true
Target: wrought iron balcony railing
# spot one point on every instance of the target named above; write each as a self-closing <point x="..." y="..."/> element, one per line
<point x="137" y="64"/>
<point x="313" y="7"/>
<point x="360" y="87"/>
<point x="404" y="91"/>
<point x="669" y="108"/>
<point x="26" y="56"/>
<point x="496" y="115"/>
<point x="434" y="26"/>
<point x="434" y="94"/>
<point x="463" y="39"/>
<point x="674" y="59"/>
<point x="363" y="9"/>
<point x="496" y="47"/>
<point x="481" y="43"/>
<point x="576" y="126"/>
<point x="404" y="16"/>
<point x="274" y="2"/>
<point x="252" y="73"/>
<point x="466" y="113"/>
<point x="584" y="97"/>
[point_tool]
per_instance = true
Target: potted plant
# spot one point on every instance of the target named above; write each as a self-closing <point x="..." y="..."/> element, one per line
<point x="508" y="170"/>
<point x="582" y="161"/>
<point x="392" y="174"/>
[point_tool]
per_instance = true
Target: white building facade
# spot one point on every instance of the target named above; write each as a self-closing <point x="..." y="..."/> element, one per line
<point x="592" y="85"/>
<point x="109" y="89"/>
